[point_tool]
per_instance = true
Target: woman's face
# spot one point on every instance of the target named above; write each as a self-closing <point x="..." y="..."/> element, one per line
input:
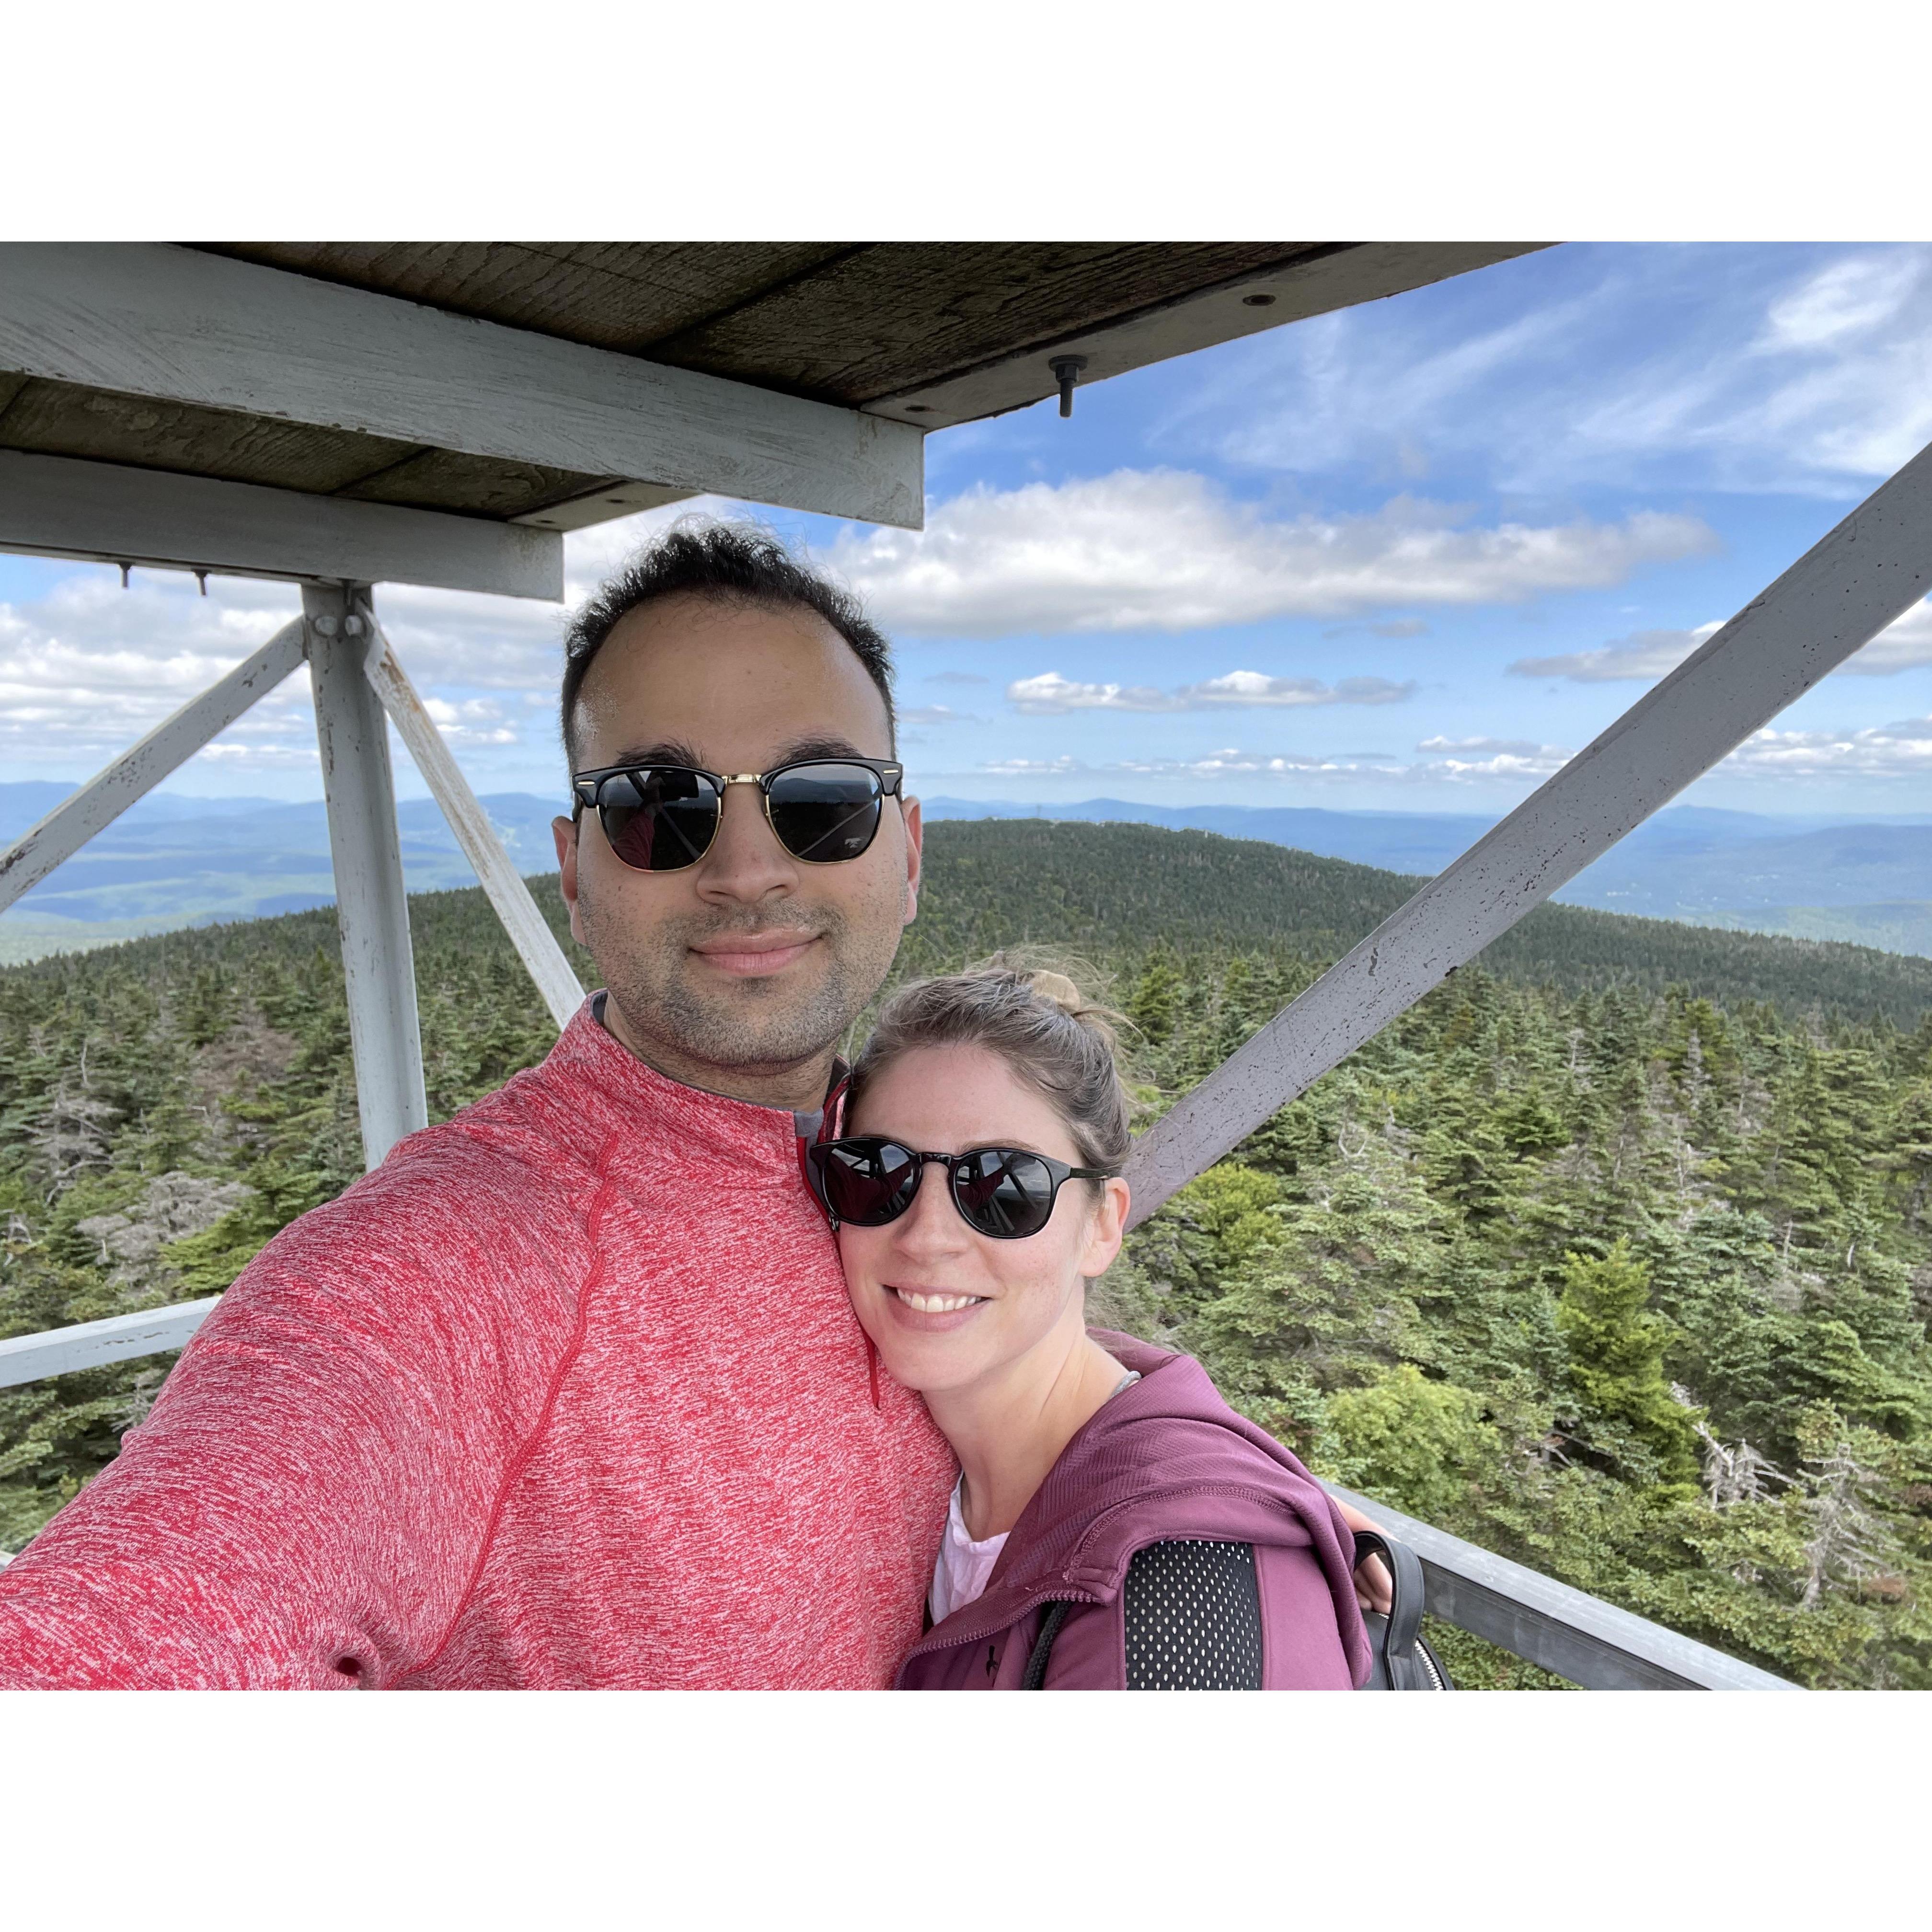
<point x="944" y="1305"/>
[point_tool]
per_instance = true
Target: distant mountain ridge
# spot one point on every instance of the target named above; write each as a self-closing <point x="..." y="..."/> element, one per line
<point x="172" y="861"/>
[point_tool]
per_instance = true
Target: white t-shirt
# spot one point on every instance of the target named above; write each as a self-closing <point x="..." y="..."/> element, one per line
<point x="960" y="1575"/>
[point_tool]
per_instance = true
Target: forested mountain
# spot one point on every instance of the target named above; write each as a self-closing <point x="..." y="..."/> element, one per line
<point x="173" y="861"/>
<point x="1612" y="1255"/>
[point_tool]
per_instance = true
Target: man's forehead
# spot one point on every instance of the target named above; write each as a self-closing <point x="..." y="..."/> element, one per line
<point x="725" y="677"/>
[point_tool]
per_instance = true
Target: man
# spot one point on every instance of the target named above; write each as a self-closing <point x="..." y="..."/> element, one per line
<point x="567" y="1392"/>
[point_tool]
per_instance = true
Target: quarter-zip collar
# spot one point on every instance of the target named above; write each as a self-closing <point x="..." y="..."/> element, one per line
<point x="593" y="1072"/>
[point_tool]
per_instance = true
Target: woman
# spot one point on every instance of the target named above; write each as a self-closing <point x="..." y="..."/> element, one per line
<point x="1116" y="1524"/>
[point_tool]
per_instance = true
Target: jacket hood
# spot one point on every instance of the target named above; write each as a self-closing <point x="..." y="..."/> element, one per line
<point x="1164" y="1459"/>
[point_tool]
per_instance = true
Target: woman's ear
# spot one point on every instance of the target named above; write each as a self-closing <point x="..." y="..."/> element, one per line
<point x="1107" y="1229"/>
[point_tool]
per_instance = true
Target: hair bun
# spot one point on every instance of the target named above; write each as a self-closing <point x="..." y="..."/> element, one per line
<point x="1060" y="989"/>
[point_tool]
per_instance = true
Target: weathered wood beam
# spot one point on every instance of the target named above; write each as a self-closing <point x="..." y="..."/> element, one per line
<point x="153" y="319"/>
<point x="110" y="791"/>
<point x="1838" y="596"/>
<point x="530" y="931"/>
<point x="61" y="506"/>
<point x="1339" y="277"/>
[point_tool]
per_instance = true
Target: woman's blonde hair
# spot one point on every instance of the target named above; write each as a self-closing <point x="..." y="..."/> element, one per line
<point x="1036" y="1019"/>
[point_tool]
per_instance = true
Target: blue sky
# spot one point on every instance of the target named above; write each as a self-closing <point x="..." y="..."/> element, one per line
<point x="1405" y="557"/>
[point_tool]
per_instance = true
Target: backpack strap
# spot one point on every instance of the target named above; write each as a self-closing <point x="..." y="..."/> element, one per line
<point x="1405" y="1569"/>
<point x="1034" y="1677"/>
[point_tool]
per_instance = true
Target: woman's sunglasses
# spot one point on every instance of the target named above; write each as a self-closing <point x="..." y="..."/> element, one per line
<point x="1005" y="1193"/>
<point x="661" y="818"/>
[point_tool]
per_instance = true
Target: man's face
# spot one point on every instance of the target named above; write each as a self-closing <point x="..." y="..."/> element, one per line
<point x="743" y="972"/>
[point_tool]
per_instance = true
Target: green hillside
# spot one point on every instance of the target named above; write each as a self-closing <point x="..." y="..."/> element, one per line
<point x="1101" y="888"/>
<point x="1612" y="1255"/>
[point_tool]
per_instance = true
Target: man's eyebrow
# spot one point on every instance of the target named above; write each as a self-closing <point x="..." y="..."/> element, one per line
<point x="675" y="751"/>
<point x="666" y="752"/>
<point x="817" y="748"/>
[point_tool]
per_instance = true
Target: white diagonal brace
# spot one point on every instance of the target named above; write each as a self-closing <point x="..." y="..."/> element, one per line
<point x="530" y="931"/>
<point x="110" y="792"/>
<point x="1839" y="595"/>
<point x="148" y="318"/>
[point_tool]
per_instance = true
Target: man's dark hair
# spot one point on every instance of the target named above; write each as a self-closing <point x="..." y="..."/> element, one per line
<point x="728" y="561"/>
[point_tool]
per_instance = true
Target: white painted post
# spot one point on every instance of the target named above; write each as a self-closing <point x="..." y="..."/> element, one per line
<point x="530" y="931"/>
<point x="370" y="907"/>
<point x="1835" y="599"/>
<point x="110" y="791"/>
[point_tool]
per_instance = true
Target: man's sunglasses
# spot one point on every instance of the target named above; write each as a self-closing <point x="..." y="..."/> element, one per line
<point x="661" y="818"/>
<point x="1005" y="1193"/>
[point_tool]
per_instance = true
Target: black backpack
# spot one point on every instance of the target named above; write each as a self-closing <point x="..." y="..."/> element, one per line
<point x="1399" y="1659"/>
<point x="1402" y="1661"/>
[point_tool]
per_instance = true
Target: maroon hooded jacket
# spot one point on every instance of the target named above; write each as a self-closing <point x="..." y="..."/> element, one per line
<point x="1165" y="1460"/>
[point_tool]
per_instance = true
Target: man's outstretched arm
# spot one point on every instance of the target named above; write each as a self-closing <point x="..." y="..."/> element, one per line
<point x="308" y="1500"/>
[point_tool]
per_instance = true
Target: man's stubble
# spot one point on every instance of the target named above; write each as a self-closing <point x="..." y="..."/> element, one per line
<point x="749" y="1024"/>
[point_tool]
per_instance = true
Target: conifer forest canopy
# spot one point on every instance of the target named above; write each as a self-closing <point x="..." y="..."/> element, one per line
<point x="1613" y="1256"/>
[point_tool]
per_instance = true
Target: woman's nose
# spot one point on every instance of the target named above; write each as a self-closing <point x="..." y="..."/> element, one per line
<point x="931" y="1224"/>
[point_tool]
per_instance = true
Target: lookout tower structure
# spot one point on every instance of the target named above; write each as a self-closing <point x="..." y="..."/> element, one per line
<point x="344" y="415"/>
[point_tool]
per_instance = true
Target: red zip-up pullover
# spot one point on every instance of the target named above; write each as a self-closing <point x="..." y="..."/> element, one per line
<point x="568" y="1392"/>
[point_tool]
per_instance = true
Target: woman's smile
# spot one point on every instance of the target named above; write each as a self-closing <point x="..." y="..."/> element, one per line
<point x="930" y="1308"/>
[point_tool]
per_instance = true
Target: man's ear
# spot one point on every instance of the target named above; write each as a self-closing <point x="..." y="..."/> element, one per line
<point x="915" y="834"/>
<point x="564" y="831"/>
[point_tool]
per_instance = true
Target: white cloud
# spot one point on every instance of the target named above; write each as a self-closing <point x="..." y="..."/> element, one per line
<point x="1518" y="764"/>
<point x="88" y="668"/>
<point x="1644" y="654"/>
<point x="1903" y="645"/>
<point x="1243" y="688"/>
<point x="477" y="721"/>
<point x="1166" y="549"/>
<point x="1781" y="368"/>
<point x="1849" y="298"/>
<point x="1050" y="694"/>
<point x="1901" y="750"/>
<point x="1516" y="748"/>
<point x="938" y="714"/>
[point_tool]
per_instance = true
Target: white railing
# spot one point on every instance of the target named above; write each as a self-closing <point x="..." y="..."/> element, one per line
<point x="1562" y="1630"/>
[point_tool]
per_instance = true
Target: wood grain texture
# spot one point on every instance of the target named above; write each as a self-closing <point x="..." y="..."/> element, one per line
<point x="182" y="325"/>
<point x="69" y="419"/>
<point x="611" y="295"/>
<point x="60" y="506"/>
<point x="897" y="315"/>
<point x="1317" y="281"/>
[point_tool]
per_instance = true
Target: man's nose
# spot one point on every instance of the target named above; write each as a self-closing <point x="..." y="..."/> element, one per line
<point x="745" y="861"/>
